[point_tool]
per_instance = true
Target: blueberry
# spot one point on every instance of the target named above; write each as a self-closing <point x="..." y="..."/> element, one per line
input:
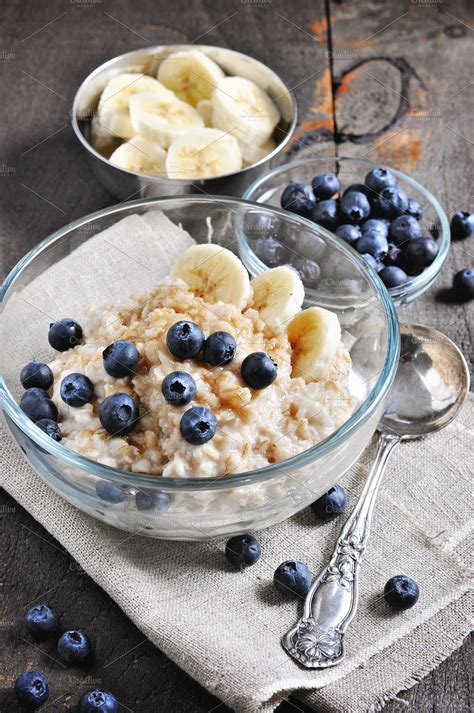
<point x="331" y="503"/>
<point x="118" y="413"/>
<point x="355" y="207"/>
<point x="98" y="702"/>
<point x="394" y="255"/>
<point x="74" y="647"/>
<point x="349" y="233"/>
<point x="77" y="390"/>
<point x="36" y="373"/>
<point x="298" y="198"/>
<point x="391" y="202"/>
<point x="326" y="185"/>
<point x="178" y="388"/>
<point x="65" y="334"/>
<point x="325" y="213"/>
<point x="463" y="284"/>
<point x="198" y="425"/>
<point x="153" y="500"/>
<point x="36" y="392"/>
<point x="292" y="579"/>
<point x="370" y="260"/>
<point x="376" y="224"/>
<point x="414" y="209"/>
<point x="185" y="339"/>
<point x="242" y="551"/>
<point x="258" y="370"/>
<point x="219" y="348"/>
<point x="418" y="254"/>
<point x="357" y="188"/>
<point x="50" y="427"/>
<point x="109" y="492"/>
<point x="393" y="276"/>
<point x="308" y="270"/>
<point x="401" y="592"/>
<point x="462" y="225"/>
<point x="380" y="178"/>
<point x="120" y="358"/>
<point x="404" y="228"/>
<point x="32" y="689"/>
<point x="270" y="251"/>
<point x="38" y="407"/>
<point x="42" y="622"/>
<point x="373" y="243"/>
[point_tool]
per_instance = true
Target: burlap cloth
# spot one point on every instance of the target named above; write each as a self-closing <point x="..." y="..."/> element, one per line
<point x="224" y="627"/>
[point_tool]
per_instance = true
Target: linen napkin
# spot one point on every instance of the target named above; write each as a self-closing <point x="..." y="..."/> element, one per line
<point x="224" y="627"/>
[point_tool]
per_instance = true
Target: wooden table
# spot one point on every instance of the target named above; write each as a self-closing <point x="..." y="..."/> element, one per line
<point x="388" y="81"/>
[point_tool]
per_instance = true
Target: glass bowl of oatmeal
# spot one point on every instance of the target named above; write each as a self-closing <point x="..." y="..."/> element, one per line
<point x="280" y="438"/>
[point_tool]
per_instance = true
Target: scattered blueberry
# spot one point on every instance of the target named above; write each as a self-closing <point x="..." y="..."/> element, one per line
<point x="462" y="225"/>
<point x="463" y="284"/>
<point x="50" y="427"/>
<point x="120" y="358"/>
<point x="185" y="339"/>
<point x="401" y="592"/>
<point x="258" y="370"/>
<point x="270" y="251"/>
<point x="355" y="207"/>
<point x="242" y="551"/>
<point x="74" y="647"/>
<point x="298" y="198"/>
<point x="32" y="689"/>
<point x="154" y="500"/>
<point x="65" y="334"/>
<point x="331" y="503"/>
<point x="414" y="209"/>
<point x="77" y="390"/>
<point x="292" y="579"/>
<point x="109" y="492"/>
<point x="219" y="348"/>
<point x="198" y="425"/>
<point x="326" y="185"/>
<point x="393" y="276"/>
<point x="325" y="213"/>
<point x="98" y="702"/>
<point x="380" y="178"/>
<point x="349" y="233"/>
<point x="376" y="224"/>
<point x="372" y="243"/>
<point x="404" y="228"/>
<point x="36" y="392"/>
<point x="393" y="255"/>
<point x="118" y="413"/>
<point x="178" y="388"/>
<point x="308" y="270"/>
<point x="391" y="202"/>
<point x="37" y="407"/>
<point x="42" y="622"/>
<point x="38" y="374"/>
<point x="418" y="254"/>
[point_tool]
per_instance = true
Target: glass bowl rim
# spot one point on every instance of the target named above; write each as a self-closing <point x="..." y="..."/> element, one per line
<point x="416" y="282"/>
<point x="363" y="412"/>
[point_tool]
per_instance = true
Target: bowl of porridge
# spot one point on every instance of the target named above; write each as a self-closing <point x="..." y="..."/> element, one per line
<point x="158" y="388"/>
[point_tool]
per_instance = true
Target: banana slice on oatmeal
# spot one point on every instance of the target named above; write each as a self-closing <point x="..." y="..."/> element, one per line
<point x="277" y="295"/>
<point x="314" y="335"/>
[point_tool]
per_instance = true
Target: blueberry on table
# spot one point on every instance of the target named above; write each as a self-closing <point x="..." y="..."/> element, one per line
<point x="325" y="213"/>
<point x="462" y="225"/>
<point x="242" y="551"/>
<point x="298" y="198"/>
<point x="185" y="339"/>
<point x="373" y="243"/>
<point x="378" y="225"/>
<point x="380" y="178"/>
<point x="120" y="358"/>
<point x="391" y="202"/>
<point x="74" y="647"/>
<point x="355" y="207"/>
<point x="152" y="500"/>
<point x="98" y="702"/>
<point x="65" y="334"/>
<point x="404" y="228"/>
<point x="219" y="348"/>
<point x="77" y="390"/>
<point x="118" y="413"/>
<point x="463" y="284"/>
<point x="331" y="503"/>
<point x="38" y="374"/>
<point x="414" y="209"/>
<point x="326" y="185"/>
<point x="349" y="233"/>
<point x="109" y="492"/>
<point x="418" y="254"/>
<point x="51" y="428"/>
<point x="38" y="407"/>
<point x="198" y="425"/>
<point x="31" y="689"/>
<point x="401" y="592"/>
<point x="178" y="388"/>
<point x="258" y="370"/>
<point x="393" y="276"/>
<point x="292" y="579"/>
<point x="42" y="622"/>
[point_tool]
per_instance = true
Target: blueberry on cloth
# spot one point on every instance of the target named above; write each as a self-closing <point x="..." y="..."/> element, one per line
<point x="120" y="358"/>
<point x="292" y="579"/>
<point x="242" y="551"/>
<point x="185" y="339"/>
<point x="42" y="622"/>
<point x="331" y="503"/>
<point x="31" y="689"/>
<point x="65" y="334"/>
<point x="36" y="373"/>
<point x="401" y="592"/>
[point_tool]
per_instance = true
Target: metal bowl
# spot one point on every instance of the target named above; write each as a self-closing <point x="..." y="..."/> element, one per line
<point x="126" y="184"/>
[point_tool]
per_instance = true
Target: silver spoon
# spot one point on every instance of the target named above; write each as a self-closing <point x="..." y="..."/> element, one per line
<point x="431" y="384"/>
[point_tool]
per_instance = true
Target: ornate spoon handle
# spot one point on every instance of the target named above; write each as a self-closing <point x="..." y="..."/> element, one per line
<point x="316" y="641"/>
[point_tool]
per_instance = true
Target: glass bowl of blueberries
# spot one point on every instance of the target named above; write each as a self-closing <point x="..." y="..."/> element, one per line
<point x="390" y="219"/>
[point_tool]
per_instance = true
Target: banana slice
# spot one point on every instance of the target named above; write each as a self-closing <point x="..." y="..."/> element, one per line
<point x="251" y="153"/>
<point x="162" y="118"/>
<point x="113" y="109"/>
<point x="277" y="295"/>
<point x="203" y="153"/>
<point x="101" y="139"/>
<point x="242" y="108"/>
<point x="191" y="75"/>
<point x="141" y="156"/>
<point x="204" y="107"/>
<point x="215" y="274"/>
<point x="314" y="335"/>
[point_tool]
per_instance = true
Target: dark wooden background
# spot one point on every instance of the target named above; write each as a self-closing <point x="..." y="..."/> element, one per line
<point x="391" y="81"/>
